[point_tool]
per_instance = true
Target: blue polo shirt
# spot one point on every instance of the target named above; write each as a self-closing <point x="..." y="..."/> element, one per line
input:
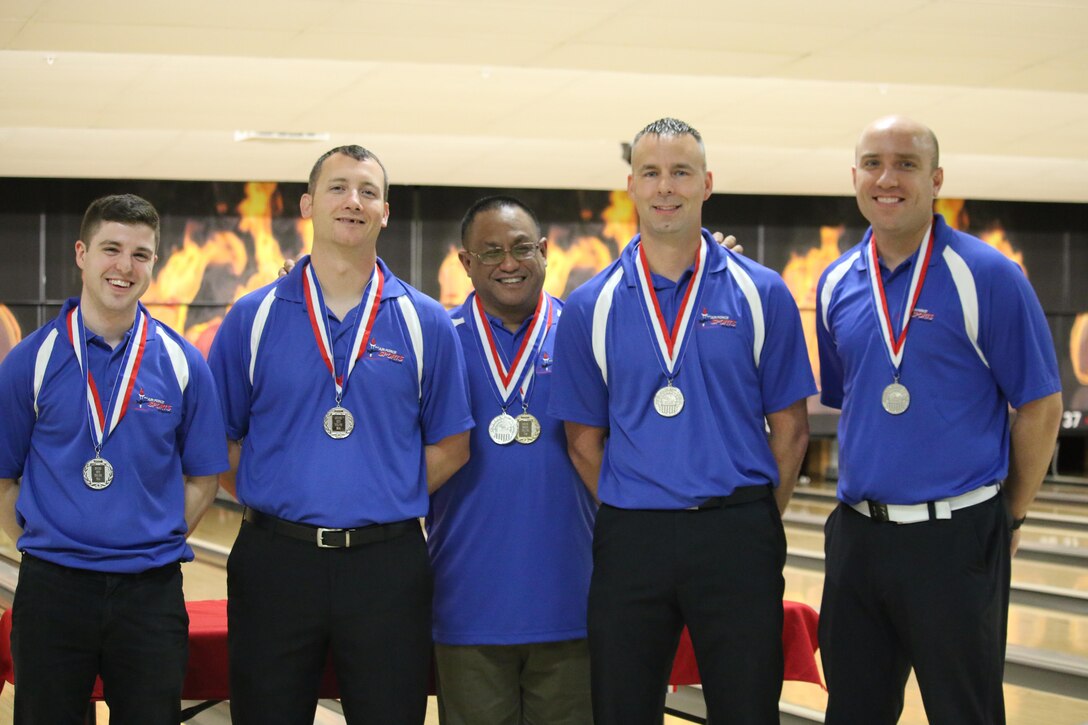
<point x="510" y="534"/>
<point x="977" y="342"/>
<point x="172" y="428"/>
<point x="746" y="358"/>
<point x="276" y="402"/>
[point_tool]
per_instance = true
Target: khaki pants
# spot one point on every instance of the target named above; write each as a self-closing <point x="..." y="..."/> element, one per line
<point x="545" y="683"/>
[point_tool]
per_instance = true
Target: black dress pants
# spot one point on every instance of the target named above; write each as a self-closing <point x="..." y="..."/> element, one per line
<point x="933" y="596"/>
<point x="719" y="571"/>
<point x="71" y="625"/>
<point x="291" y="604"/>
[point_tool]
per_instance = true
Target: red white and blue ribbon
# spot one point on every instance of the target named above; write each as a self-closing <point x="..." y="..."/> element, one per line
<point x="103" y="420"/>
<point x="670" y="343"/>
<point x="519" y="374"/>
<point x="894" y="343"/>
<point x="364" y="323"/>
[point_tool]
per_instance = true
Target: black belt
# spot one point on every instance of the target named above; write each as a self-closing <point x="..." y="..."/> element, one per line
<point x="744" y="494"/>
<point x="326" y="538"/>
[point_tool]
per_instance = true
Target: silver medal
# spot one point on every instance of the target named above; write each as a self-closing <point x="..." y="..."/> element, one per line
<point x="668" y="401"/>
<point x="895" y="399"/>
<point x="528" y="428"/>
<point x="339" y="422"/>
<point x="503" y="429"/>
<point x="97" y="473"/>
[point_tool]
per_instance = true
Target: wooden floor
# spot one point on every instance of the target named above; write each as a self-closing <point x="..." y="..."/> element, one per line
<point x="1028" y="626"/>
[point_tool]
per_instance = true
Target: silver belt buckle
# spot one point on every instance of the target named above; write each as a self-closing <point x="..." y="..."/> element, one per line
<point x="321" y="538"/>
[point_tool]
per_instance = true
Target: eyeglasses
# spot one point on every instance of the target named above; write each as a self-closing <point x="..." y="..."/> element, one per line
<point x="496" y="255"/>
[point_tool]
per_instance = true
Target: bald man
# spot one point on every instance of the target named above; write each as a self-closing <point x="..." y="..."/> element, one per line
<point x="934" y="483"/>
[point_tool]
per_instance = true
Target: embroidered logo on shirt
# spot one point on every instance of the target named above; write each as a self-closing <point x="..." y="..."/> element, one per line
<point x="374" y="350"/>
<point x="920" y="314"/>
<point x="544" y="364"/>
<point x="708" y="320"/>
<point x="146" y="402"/>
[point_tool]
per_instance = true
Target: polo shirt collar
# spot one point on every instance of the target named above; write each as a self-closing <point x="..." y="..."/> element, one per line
<point x="61" y="320"/>
<point x="717" y="257"/>
<point x="495" y="322"/>
<point x="290" y="287"/>
<point x="941" y="235"/>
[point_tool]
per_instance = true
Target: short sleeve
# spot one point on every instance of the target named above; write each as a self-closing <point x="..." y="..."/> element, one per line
<point x="202" y="441"/>
<point x="784" y="371"/>
<point x="17" y="421"/>
<point x="1016" y="339"/>
<point x="229" y="364"/>
<point x="579" y="393"/>
<point x="830" y="364"/>
<point x="445" y="407"/>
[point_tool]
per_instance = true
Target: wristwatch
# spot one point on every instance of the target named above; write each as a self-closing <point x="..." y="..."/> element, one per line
<point x="1017" y="523"/>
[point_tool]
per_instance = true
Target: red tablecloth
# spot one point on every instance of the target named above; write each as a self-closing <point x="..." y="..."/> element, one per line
<point x="206" y="677"/>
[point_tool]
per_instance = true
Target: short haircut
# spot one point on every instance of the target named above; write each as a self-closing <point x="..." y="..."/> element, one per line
<point x="356" y="152"/>
<point x="919" y="131"/>
<point x="490" y="203"/>
<point x="670" y="127"/>
<point x="120" y="208"/>
<point x="936" y="147"/>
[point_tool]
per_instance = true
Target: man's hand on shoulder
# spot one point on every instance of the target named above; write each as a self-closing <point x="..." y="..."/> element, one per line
<point x="729" y="242"/>
<point x="289" y="264"/>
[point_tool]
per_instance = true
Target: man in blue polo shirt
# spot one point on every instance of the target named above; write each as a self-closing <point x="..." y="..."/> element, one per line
<point x="344" y="393"/>
<point x="510" y="533"/>
<point x="668" y="362"/>
<point x="110" y="446"/>
<point x="933" y="483"/>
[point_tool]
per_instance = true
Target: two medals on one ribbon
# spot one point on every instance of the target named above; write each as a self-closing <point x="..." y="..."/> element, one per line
<point x="339" y="421"/>
<point x="518" y="377"/>
<point x="98" y="472"/>
<point x="895" y="398"/>
<point x="670" y="345"/>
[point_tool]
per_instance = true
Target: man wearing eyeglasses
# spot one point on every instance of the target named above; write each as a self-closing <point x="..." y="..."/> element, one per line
<point x="510" y="533"/>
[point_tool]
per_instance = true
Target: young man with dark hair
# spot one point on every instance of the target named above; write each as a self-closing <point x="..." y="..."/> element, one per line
<point x="110" y="446"/>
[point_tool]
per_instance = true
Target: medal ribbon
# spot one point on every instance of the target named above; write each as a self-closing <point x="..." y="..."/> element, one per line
<point x="896" y="344"/>
<point x="670" y="343"/>
<point x="526" y="384"/>
<point x="520" y="370"/>
<point x="103" y="421"/>
<point x="319" y="321"/>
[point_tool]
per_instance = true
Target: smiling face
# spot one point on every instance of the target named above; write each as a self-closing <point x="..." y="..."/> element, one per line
<point x="347" y="205"/>
<point x="668" y="184"/>
<point x="896" y="179"/>
<point x="510" y="289"/>
<point x="116" y="263"/>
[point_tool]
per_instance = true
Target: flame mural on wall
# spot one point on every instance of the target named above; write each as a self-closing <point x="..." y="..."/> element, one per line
<point x="956" y="215"/>
<point x="802" y="274"/>
<point x="221" y="258"/>
<point x="183" y="275"/>
<point x="10" y="334"/>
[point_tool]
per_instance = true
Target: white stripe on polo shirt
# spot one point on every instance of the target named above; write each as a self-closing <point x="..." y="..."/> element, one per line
<point x="600" y="321"/>
<point x="968" y="293"/>
<point x="833" y="278"/>
<point x="41" y="362"/>
<point x="755" y="304"/>
<point x="177" y="359"/>
<point x="258" y="329"/>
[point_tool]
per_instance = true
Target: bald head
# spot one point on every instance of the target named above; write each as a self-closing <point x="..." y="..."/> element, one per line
<point x="922" y="137"/>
